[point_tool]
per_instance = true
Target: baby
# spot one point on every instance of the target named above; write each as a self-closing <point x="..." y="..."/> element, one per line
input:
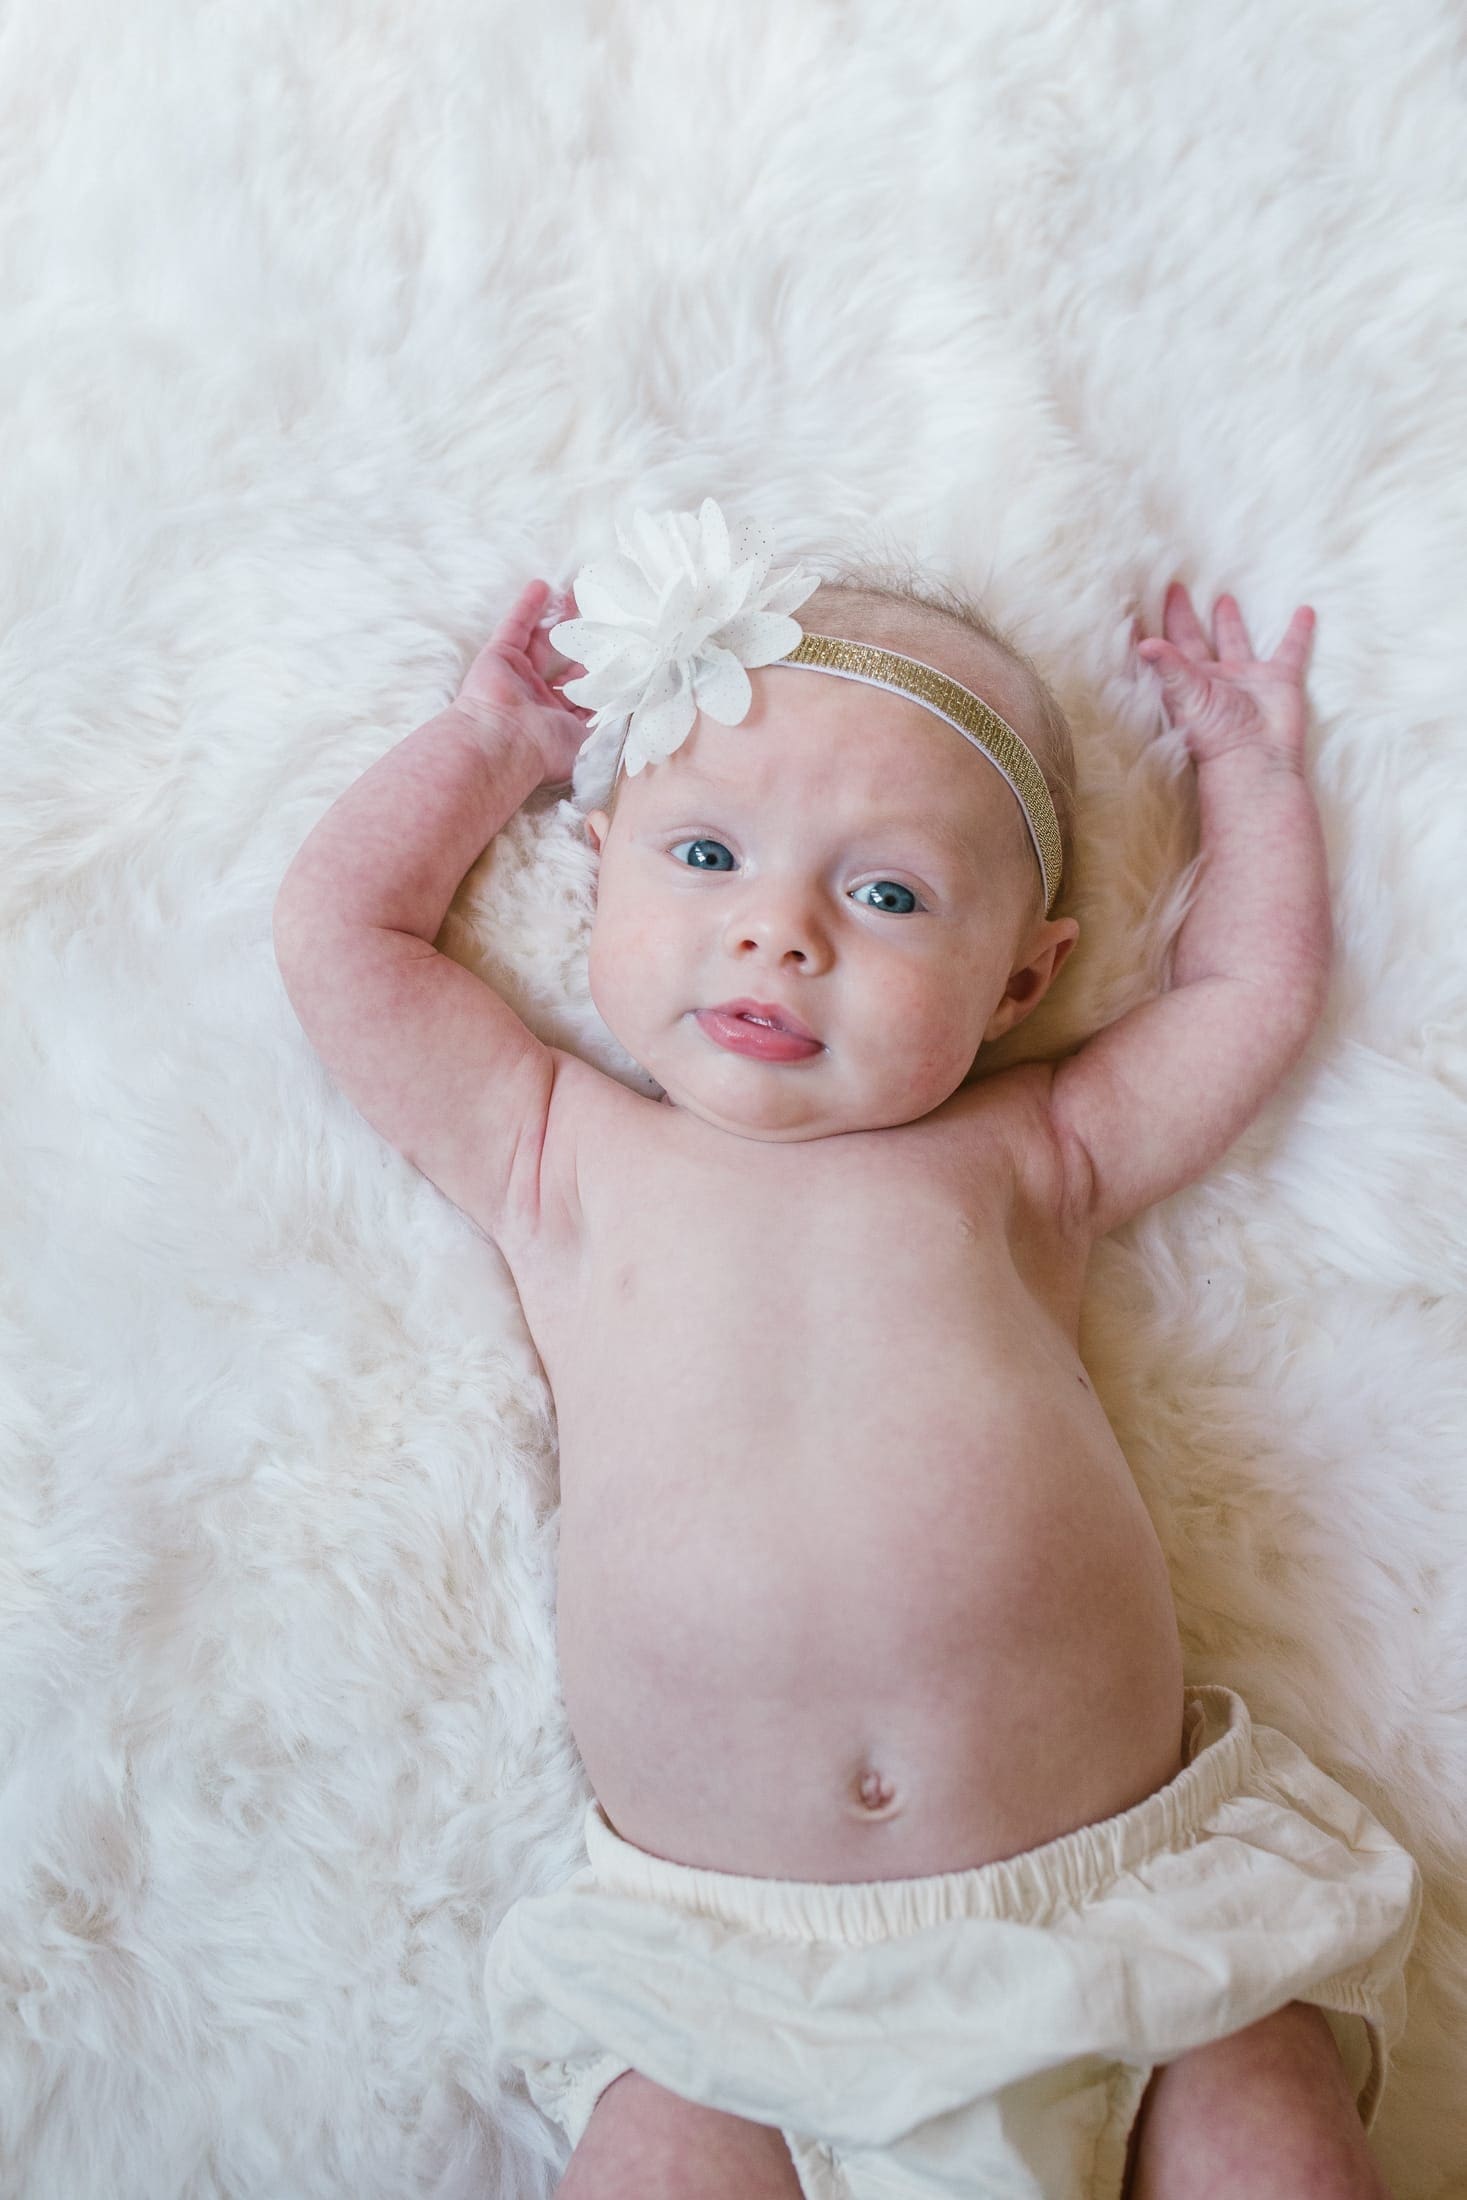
<point x="915" y="1868"/>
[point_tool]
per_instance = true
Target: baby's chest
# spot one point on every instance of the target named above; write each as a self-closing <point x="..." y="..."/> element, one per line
<point x="795" y="1303"/>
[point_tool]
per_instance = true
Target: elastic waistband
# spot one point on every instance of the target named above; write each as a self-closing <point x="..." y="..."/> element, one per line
<point x="1217" y="1748"/>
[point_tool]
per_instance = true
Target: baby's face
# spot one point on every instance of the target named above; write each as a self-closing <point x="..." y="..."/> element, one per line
<point x="840" y="854"/>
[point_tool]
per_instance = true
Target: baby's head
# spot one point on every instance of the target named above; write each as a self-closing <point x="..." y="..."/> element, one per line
<point x="845" y="856"/>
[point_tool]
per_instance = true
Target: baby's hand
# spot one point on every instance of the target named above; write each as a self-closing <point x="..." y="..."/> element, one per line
<point x="1232" y="699"/>
<point x="516" y="676"/>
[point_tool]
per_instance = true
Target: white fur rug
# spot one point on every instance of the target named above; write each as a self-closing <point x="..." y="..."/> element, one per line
<point x="325" y="327"/>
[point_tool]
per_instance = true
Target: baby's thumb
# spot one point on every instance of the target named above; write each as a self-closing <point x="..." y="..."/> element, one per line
<point x="1182" y="685"/>
<point x="559" y="737"/>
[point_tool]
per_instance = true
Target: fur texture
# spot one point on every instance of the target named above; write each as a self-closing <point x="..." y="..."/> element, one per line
<point x="327" y="326"/>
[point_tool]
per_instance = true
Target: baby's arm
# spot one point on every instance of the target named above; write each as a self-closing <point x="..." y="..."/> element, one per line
<point x="1153" y="1100"/>
<point x="426" y="1051"/>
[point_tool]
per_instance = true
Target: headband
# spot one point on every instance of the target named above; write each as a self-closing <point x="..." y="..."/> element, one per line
<point x="668" y="627"/>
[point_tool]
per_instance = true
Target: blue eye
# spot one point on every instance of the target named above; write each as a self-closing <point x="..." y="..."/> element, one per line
<point x="699" y="844"/>
<point x="891" y="886"/>
<point x="885" y="886"/>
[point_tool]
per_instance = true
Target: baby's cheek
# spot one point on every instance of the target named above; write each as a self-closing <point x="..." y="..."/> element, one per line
<point x="606" y="960"/>
<point x="918" y="1000"/>
<point x="624" y="959"/>
<point x="947" y="1030"/>
<point x="916" y="1027"/>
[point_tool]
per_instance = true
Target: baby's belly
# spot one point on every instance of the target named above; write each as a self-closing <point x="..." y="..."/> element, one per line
<point x="866" y="1667"/>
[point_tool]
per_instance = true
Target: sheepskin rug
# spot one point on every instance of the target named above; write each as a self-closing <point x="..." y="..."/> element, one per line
<point x="324" y="328"/>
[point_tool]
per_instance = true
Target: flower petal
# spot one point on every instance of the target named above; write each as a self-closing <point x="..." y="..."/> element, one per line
<point x="664" y="681"/>
<point x="613" y="590"/>
<point x="721" y="686"/>
<point x="713" y="550"/>
<point x="750" y="538"/>
<point x="588" y="642"/>
<point x="634" y="659"/>
<point x="761" y="637"/>
<point x="683" y="535"/>
<point x="734" y="593"/>
<point x="660" y="727"/>
<point x="657" y="548"/>
<point x="676" y="609"/>
<point x="788" y="589"/>
<point x="619" y="682"/>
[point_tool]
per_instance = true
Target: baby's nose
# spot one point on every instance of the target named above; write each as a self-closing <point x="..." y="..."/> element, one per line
<point x="784" y="926"/>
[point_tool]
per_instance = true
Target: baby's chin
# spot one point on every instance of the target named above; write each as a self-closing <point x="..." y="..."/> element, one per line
<point x="759" y="1134"/>
<point x="790" y="1119"/>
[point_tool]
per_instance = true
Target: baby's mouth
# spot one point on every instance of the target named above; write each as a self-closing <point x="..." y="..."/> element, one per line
<point x="752" y="1030"/>
<point x="767" y="1016"/>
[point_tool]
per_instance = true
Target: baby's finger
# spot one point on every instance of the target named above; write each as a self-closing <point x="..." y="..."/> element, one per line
<point x="1228" y="626"/>
<point x="537" y="687"/>
<point x="561" y="605"/>
<point x="1181" y="625"/>
<point x="518" y="624"/>
<point x="549" y="662"/>
<point x="1183" y="686"/>
<point x="551" y="659"/>
<point x="1294" y="648"/>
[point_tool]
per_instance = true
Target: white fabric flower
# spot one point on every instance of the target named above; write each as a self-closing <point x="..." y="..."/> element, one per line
<point x="667" y="628"/>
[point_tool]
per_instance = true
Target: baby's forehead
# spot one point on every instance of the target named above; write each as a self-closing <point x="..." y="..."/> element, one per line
<point x="978" y="662"/>
<point x="841" y="753"/>
<point x="880" y="733"/>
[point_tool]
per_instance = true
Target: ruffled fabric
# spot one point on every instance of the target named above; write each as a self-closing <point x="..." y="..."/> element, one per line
<point x="989" y="2029"/>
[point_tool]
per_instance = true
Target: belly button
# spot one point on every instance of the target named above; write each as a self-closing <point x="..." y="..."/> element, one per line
<point x="876" y="1794"/>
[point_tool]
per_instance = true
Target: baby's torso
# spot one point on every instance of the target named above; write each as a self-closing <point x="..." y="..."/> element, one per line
<point x="855" y="1582"/>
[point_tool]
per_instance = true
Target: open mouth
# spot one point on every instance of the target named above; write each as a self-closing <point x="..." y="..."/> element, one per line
<point x="772" y="1015"/>
<point x="744" y="1032"/>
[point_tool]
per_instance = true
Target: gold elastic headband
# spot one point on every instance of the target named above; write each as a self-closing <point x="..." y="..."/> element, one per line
<point x="965" y="712"/>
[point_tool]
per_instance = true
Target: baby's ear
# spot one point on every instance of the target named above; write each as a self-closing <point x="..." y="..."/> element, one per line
<point x="1029" y="983"/>
<point x="596" y="823"/>
<point x="1065" y="949"/>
